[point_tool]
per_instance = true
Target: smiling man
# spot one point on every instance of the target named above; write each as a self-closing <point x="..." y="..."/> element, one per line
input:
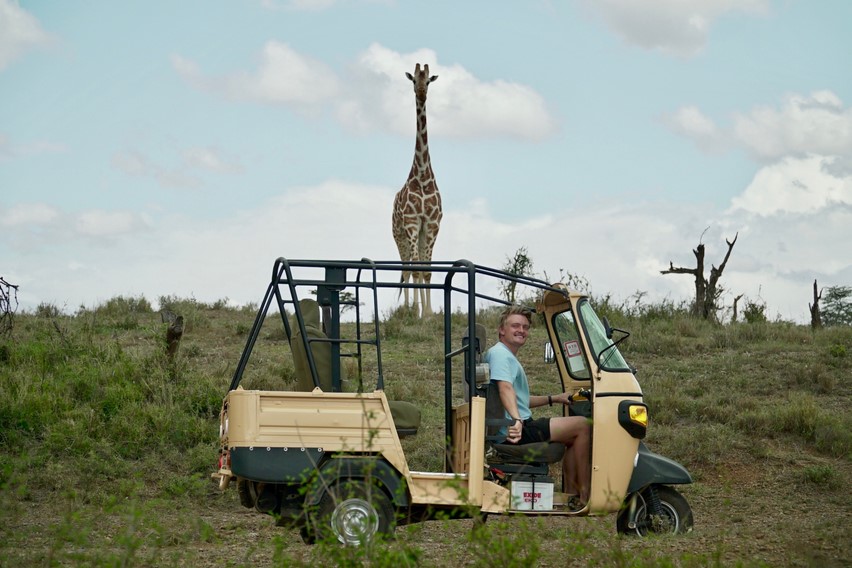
<point x="573" y="431"/>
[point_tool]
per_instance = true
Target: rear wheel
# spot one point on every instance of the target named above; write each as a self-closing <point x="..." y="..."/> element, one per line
<point x="352" y="512"/>
<point x="675" y="514"/>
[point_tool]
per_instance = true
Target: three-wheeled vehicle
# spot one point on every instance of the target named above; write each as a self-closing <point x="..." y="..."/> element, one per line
<point x="331" y="462"/>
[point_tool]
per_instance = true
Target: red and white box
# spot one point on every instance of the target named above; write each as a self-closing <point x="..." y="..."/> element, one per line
<point x="532" y="493"/>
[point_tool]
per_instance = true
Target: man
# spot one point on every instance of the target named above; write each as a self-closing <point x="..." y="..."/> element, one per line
<point x="573" y="431"/>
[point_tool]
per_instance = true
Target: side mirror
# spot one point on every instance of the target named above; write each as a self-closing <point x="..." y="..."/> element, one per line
<point x="607" y="328"/>
<point x="549" y="354"/>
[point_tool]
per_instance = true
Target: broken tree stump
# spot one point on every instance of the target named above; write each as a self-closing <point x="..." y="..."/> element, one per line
<point x="173" y="337"/>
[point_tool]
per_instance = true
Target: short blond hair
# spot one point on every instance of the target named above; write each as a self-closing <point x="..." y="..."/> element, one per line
<point x="515" y="310"/>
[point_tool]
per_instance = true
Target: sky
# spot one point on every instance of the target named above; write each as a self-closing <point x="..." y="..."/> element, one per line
<point x="178" y="148"/>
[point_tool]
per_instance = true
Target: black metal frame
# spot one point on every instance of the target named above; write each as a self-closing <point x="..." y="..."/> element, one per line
<point x="367" y="276"/>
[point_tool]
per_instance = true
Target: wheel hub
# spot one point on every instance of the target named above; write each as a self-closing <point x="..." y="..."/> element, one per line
<point x="354" y="521"/>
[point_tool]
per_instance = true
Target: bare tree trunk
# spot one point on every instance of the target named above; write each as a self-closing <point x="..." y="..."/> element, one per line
<point x="713" y="290"/>
<point x="173" y="336"/>
<point x="734" y="317"/>
<point x="816" y="320"/>
<point x="707" y="292"/>
<point x="8" y="294"/>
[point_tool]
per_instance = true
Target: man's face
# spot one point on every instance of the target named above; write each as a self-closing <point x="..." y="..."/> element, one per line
<point x="514" y="331"/>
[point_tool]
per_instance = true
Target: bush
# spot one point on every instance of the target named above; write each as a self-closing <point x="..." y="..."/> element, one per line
<point x="754" y="311"/>
<point x="837" y="306"/>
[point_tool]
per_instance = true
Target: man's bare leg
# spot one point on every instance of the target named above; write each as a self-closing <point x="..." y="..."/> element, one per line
<point x="569" y="467"/>
<point x="575" y="433"/>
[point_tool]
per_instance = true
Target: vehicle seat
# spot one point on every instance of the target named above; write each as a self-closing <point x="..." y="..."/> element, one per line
<point x="320" y="350"/>
<point x="406" y="416"/>
<point x="513" y="458"/>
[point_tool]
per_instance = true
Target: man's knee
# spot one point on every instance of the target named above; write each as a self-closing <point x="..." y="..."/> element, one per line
<point x="568" y="428"/>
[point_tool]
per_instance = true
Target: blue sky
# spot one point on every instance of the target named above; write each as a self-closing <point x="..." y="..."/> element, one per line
<point x="177" y="148"/>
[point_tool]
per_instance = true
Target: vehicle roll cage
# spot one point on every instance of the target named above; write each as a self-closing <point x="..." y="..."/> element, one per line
<point x="460" y="277"/>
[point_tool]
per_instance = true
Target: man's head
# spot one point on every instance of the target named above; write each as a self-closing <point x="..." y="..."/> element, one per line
<point x="514" y="327"/>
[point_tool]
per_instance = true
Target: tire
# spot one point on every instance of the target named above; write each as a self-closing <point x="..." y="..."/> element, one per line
<point x="676" y="515"/>
<point x="352" y="512"/>
<point x="308" y="536"/>
<point x="243" y="490"/>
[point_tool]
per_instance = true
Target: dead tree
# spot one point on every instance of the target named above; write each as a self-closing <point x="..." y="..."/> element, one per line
<point x="8" y="296"/>
<point x="173" y="336"/>
<point x="707" y="290"/>
<point x="816" y="320"/>
<point x="734" y="317"/>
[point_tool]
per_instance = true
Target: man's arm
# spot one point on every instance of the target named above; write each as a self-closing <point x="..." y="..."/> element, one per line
<point x="542" y="400"/>
<point x="510" y="403"/>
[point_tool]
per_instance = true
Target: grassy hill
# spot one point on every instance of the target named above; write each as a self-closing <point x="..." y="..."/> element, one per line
<point x="108" y="444"/>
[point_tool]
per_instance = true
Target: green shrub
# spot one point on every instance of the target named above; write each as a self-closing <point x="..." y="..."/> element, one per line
<point x="754" y="311"/>
<point x="837" y="351"/>
<point x="821" y="475"/>
<point x="503" y="543"/>
<point x="47" y="310"/>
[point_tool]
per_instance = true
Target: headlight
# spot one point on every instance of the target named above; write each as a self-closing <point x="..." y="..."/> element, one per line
<point x="633" y="417"/>
<point x="639" y="414"/>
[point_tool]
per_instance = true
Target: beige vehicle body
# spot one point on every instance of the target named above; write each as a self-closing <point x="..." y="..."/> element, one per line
<point x="291" y="452"/>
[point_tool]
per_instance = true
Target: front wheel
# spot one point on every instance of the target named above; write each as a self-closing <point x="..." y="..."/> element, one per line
<point x="673" y="517"/>
<point x="352" y="512"/>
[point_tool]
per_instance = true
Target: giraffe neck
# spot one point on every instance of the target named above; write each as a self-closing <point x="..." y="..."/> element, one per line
<point x="422" y="166"/>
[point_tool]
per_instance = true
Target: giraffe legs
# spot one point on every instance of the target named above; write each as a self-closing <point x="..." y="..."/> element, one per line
<point x="415" y="246"/>
<point x="418" y="297"/>
<point x="428" y="234"/>
<point x="426" y="293"/>
<point x="406" y="276"/>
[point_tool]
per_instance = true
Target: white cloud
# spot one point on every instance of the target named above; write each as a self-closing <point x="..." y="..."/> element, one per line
<point x="813" y="124"/>
<point x="801" y="126"/>
<point x="795" y="185"/>
<point x="19" y="32"/>
<point x="99" y="223"/>
<point x="690" y="122"/>
<point x="283" y="76"/>
<point x="298" y="5"/>
<point x="679" y="27"/>
<point x="137" y="164"/>
<point x="312" y="5"/>
<point x="777" y="258"/>
<point x="804" y="146"/>
<point x="30" y="228"/>
<point x="379" y="97"/>
<point x="232" y="256"/>
<point x="10" y="149"/>
<point x="29" y="214"/>
<point x="211" y="159"/>
<point x="131" y="163"/>
<point x="459" y="104"/>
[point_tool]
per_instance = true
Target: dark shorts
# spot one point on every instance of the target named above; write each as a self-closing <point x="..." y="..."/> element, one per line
<point x="537" y="430"/>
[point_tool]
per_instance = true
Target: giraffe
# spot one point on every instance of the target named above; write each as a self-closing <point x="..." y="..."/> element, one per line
<point x="417" y="206"/>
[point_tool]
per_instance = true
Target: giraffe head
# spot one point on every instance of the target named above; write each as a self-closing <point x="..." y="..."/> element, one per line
<point x="421" y="80"/>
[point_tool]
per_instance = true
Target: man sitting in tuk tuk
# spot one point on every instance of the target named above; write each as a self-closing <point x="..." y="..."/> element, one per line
<point x="573" y="431"/>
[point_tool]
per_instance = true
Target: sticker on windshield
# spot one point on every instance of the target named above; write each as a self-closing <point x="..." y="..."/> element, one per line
<point x="575" y="356"/>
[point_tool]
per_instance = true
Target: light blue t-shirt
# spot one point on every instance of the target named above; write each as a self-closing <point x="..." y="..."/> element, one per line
<point x="504" y="366"/>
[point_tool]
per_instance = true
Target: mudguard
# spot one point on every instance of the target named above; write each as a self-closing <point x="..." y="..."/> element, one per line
<point x="654" y="468"/>
<point x="357" y="468"/>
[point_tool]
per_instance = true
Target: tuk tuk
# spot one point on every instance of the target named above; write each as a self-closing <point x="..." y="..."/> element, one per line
<point x="327" y="457"/>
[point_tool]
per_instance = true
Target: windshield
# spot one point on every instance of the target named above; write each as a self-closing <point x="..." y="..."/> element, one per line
<point x="569" y="342"/>
<point x="611" y="359"/>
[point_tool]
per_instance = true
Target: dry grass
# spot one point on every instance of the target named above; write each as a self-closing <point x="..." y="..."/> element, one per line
<point x="108" y="446"/>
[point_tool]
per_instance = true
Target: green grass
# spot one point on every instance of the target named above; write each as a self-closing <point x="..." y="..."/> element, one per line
<point x="108" y="444"/>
